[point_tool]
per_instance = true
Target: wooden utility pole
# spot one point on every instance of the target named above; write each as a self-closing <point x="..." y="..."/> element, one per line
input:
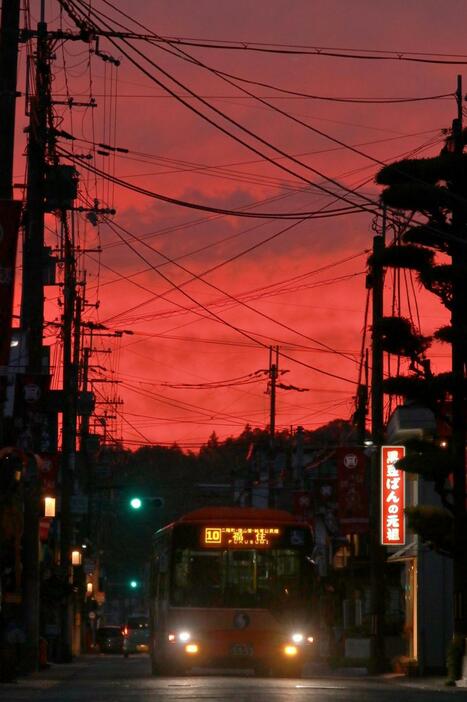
<point x="32" y="321"/>
<point x="377" y="554"/>
<point x="32" y="302"/>
<point x="9" y="33"/>
<point x="362" y="406"/>
<point x="273" y="375"/>
<point x="71" y="313"/>
<point x="459" y="356"/>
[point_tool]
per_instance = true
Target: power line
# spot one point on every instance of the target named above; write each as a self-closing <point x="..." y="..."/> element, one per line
<point x="270" y="47"/>
<point x="238" y="125"/>
<point x="288" y="95"/>
<point x="360" y="53"/>
<point x="225" y="322"/>
<point x="226" y="77"/>
<point x="353" y="208"/>
<point x="356" y="54"/>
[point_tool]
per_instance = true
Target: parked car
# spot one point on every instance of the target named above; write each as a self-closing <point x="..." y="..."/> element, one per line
<point x="109" y="639"/>
<point x="136" y="635"/>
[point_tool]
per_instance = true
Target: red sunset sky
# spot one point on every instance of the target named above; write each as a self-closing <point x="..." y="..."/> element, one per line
<point x="191" y="335"/>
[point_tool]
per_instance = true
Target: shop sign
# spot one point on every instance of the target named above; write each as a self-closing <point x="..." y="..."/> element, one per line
<point x="48" y="471"/>
<point x="392" y="497"/>
<point x="352" y="490"/>
<point x="44" y="527"/>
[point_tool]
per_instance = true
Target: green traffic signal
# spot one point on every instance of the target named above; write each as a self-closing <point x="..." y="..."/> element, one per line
<point x="133" y="584"/>
<point x="136" y="503"/>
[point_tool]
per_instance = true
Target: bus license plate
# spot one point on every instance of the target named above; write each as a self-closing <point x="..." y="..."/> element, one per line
<point x="241" y="650"/>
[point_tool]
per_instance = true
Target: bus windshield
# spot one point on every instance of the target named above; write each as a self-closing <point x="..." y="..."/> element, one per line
<point x="236" y="578"/>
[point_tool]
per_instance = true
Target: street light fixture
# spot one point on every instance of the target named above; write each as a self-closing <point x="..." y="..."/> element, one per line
<point x="76" y="558"/>
<point x="49" y="507"/>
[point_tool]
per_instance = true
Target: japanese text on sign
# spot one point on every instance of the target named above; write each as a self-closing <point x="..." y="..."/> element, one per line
<point x="257" y="537"/>
<point x="392" y="497"/>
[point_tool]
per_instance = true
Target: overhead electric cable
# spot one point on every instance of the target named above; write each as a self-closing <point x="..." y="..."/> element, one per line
<point x="226" y="77"/>
<point x="353" y="208"/>
<point x="238" y="125"/>
<point x="225" y="322"/>
<point x="223" y="292"/>
<point x="271" y="47"/>
<point x="357" y="54"/>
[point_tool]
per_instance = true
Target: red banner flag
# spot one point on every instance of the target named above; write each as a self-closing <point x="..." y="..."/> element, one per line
<point x="392" y="497"/>
<point x="10" y="211"/>
<point x="352" y="490"/>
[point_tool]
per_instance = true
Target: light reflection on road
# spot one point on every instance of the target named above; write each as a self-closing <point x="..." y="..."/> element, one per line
<point x="114" y="679"/>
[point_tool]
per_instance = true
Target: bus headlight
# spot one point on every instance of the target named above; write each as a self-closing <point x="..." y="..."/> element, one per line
<point x="297" y="638"/>
<point x="192" y="648"/>
<point x="290" y="650"/>
<point x="184" y="636"/>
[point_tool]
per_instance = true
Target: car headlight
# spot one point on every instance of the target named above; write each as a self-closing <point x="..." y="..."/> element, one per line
<point x="184" y="636"/>
<point x="297" y="638"/>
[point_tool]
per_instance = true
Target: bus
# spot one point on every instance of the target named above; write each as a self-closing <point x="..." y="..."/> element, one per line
<point x="232" y="587"/>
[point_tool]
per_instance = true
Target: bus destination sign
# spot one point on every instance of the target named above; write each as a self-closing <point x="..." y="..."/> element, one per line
<point x="238" y="537"/>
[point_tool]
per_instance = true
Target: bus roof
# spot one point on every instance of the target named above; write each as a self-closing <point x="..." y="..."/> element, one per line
<point x="248" y="515"/>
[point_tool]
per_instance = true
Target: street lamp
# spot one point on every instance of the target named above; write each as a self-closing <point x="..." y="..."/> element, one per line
<point x="76" y="558"/>
<point x="49" y="507"/>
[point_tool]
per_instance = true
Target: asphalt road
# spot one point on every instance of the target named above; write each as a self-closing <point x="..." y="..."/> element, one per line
<point x="114" y="679"/>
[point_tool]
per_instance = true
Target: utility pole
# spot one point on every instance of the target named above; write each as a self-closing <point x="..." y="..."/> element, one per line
<point x="84" y="440"/>
<point x="32" y="319"/>
<point x="459" y="356"/>
<point x="362" y="407"/>
<point x="377" y="554"/>
<point x="9" y="34"/>
<point x="273" y="375"/>
<point x="9" y="208"/>
<point x="32" y="303"/>
<point x="71" y="312"/>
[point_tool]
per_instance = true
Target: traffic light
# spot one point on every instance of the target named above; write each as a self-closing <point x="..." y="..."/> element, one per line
<point x="134" y="584"/>
<point x="148" y="500"/>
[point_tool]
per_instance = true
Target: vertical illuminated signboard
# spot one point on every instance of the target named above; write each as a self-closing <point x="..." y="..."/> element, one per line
<point x="392" y="497"/>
